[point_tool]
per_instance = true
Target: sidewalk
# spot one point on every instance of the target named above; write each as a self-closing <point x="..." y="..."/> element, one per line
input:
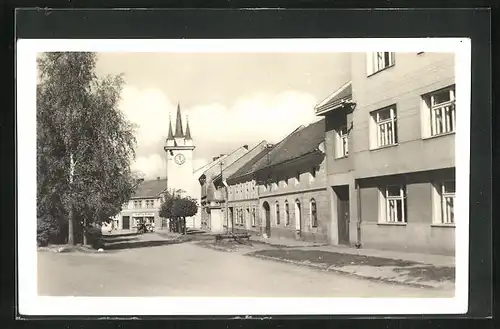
<point x="436" y="260"/>
<point x="422" y="270"/>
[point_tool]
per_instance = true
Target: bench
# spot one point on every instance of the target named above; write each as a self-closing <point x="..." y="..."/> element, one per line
<point x="237" y="237"/>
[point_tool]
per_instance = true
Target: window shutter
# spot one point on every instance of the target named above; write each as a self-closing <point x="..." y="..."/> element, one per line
<point x="369" y="63"/>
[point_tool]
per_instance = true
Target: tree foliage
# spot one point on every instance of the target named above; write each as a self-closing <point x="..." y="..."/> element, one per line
<point x="85" y="145"/>
<point x="176" y="208"/>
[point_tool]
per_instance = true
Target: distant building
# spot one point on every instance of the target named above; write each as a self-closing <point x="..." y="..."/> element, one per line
<point x="240" y="190"/>
<point x="212" y="201"/>
<point x="390" y="141"/>
<point x="181" y="175"/>
<point x="291" y="180"/>
<point x="143" y="206"/>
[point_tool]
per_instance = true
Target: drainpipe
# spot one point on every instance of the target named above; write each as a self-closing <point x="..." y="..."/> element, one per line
<point x="358" y="221"/>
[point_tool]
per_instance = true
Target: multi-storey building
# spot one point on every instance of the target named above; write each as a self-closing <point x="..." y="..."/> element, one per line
<point x="242" y="194"/>
<point x="220" y="189"/>
<point x="390" y="152"/>
<point x="144" y="206"/>
<point x="291" y="180"/>
<point x="212" y="201"/>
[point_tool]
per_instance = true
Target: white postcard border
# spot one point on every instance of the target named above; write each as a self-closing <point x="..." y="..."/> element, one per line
<point x="32" y="304"/>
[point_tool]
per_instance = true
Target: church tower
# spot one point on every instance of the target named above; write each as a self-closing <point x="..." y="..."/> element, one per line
<point x="179" y="149"/>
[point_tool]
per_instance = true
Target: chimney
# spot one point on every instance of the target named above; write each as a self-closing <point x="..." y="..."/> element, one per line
<point x="222" y="154"/>
<point x="158" y="178"/>
<point x="214" y="158"/>
<point x="245" y="146"/>
<point x="269" y="145"/>
<point x="140" y="180"/>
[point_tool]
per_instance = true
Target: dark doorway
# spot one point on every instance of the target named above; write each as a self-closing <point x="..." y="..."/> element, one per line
<point x="343" y="217"/>
<point x="267" y="212"/>
<point x="126" y="222"/>
<point x="231" y="219"/>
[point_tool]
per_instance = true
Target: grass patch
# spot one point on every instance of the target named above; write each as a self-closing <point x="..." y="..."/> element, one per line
<point x="332" y="258"/>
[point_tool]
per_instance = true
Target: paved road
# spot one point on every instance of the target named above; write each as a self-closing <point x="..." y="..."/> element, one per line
<point x="190" y="270"/>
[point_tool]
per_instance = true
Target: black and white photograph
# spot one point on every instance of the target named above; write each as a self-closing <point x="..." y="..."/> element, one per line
<point x="244" y="176"/>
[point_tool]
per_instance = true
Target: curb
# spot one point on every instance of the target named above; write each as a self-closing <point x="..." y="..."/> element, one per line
<point x="339" y="271"/>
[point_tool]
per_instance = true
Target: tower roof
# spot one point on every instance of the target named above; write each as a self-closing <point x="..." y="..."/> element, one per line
<point x="188" y="131"/>
<point x="170" y="134"/>
<point x="178" y="123"/>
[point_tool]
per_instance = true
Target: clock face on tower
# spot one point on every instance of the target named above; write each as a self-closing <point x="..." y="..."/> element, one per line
<point x="179" y="159"/>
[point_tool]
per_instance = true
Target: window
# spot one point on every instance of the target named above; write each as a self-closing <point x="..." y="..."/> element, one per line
<point x="444" y="203"/>
<point x="393" y="205"/>
<point x="253" y="218"/>
<point x="137" y="204"/>
<point x="385" y="127"/>
<point x="125" y="205"/>
<point x="287" y="213"/>
<point x="378" y="61"/>
<point x="247" y="215"/>
<point x="242" y="218"/>
<point x="439" y="112"/>
<point x="314" y="215"/>
<point x="342" y="142"/>
<point x="277" y="213"/>
<point x="150" y="203"/>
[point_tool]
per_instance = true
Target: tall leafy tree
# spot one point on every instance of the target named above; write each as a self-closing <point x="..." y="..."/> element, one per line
<point x="85" y="145"/>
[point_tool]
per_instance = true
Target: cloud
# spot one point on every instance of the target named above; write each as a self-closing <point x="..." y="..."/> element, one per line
<point x="260" y="116"/>
<point x="151" y="166"/>
<point x="214" y="126"/>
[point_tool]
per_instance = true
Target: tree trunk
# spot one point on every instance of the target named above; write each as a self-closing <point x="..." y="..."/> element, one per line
<point x="71" y="219"/>
<point x="71" y="227"/>
<point x="184" y="225"/>
<point x="85" y="242"/>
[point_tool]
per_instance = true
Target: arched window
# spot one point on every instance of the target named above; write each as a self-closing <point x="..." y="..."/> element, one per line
<point x="287" y="213"/>
<point x="314" y="215"/>
<point x="253" y="218"/>
<point x="247" y="215"/>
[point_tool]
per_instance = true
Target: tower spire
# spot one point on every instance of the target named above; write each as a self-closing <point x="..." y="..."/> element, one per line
<point x="188" y="131"/>
<point x="170" y="134"/>
<point x="178" y="123"/>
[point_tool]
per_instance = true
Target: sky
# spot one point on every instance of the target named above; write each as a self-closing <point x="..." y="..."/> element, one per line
<point x="231" y="99"/>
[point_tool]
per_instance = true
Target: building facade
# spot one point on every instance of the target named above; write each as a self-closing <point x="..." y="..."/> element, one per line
<point x="243" y="194"/>
<point x="291" y="182"/>
<point x="212" y="200"/>
<point x="179" y="148"/>
<point x="144" y="206"/>
<point x="390" y="145"/>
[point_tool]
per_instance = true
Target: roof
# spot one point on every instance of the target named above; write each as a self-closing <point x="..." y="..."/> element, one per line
<point x="150" y="188"/>
<point x="296" y="145"/>
<point x="249" y="167"/>
<point x="227" y="160"/>
<point x="338" y="97"/>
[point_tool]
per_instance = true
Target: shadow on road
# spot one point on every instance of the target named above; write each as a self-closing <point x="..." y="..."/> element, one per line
<point x="112" y="239"/>
<point x="140" y="244"/>
<point x="111" y="236"/>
